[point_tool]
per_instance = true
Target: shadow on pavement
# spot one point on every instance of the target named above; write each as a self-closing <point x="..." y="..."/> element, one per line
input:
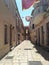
<point x="43" y="52"/>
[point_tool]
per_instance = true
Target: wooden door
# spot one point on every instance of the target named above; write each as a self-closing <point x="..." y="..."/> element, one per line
<point x="38" y="36"/>
<point x="47" y="25"/>
<point x="42" y="34"/>
<point x="10" y="35"/>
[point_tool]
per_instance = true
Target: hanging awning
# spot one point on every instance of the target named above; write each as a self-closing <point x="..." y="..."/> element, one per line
<point x="28" y="3"/>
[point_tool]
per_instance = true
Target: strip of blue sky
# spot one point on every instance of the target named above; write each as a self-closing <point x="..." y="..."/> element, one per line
<point x="23" y="13"/>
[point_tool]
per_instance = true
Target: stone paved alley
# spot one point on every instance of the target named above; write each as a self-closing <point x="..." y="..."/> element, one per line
<point x="25" y="54"/>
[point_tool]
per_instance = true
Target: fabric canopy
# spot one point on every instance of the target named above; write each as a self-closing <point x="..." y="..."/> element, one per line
<point x="28" y="3"/>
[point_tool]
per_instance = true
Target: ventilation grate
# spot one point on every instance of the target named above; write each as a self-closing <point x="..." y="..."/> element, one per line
<point x="27" y="49"/>
<point x="34" y="63"/>
<point x="9" y="57"/>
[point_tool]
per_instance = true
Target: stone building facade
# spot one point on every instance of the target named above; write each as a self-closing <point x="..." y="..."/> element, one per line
<point x="40" y="33"/>
<point x="8" y="24"/>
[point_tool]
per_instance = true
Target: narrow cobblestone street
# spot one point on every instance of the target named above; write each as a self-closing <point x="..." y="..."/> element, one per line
<point x="25" y="54"/>
<point x="24" y="32"/>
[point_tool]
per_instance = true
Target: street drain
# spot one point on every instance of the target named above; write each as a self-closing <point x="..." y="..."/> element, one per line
<point x="9" y="57"/>
<point x="27" y="49"/>
<point x="35" y="63"/>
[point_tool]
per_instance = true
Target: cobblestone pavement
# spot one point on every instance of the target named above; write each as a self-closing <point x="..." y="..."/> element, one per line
<point x="24" y="54"/>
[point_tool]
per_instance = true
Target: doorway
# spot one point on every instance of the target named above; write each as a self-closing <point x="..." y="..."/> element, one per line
<point x="38" y="36"/>
<point x="47" y="25"/>
<point x="42" y="34"/>
<point x="10" y="36"/>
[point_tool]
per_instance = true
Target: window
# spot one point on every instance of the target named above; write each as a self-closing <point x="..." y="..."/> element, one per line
<point x="7" y="3"/>
<point x="38" y="10"/>
<point x="33" y="26"/>
<point x="5" y="33"/>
